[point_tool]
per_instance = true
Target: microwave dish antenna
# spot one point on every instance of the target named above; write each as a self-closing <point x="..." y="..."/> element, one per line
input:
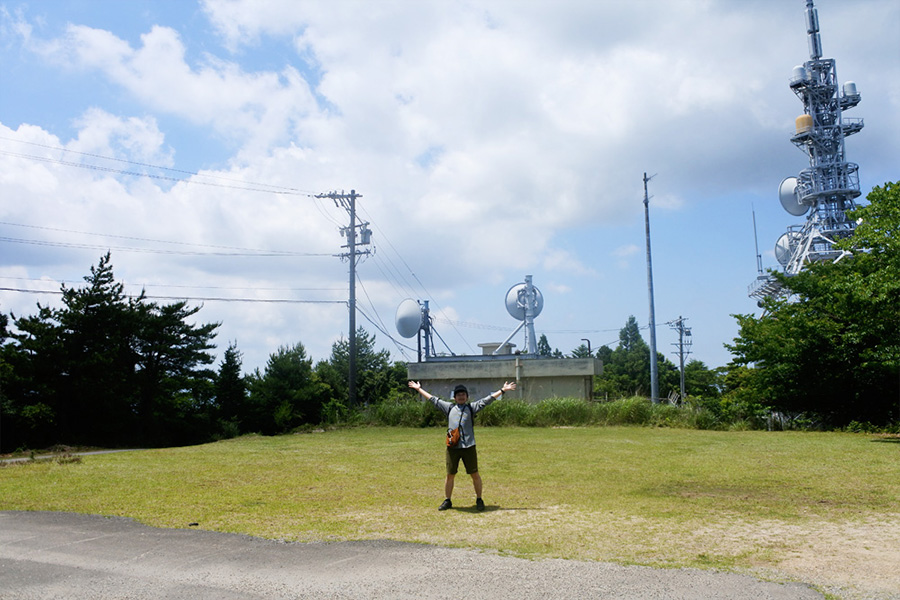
<point x="409" y="318"/>
<point x="790" y="198"/>
<point x="413" y="319"/>
<point x="517" y="301"/>
<point x="786" y="246"/>
<point x="524" y="302"/>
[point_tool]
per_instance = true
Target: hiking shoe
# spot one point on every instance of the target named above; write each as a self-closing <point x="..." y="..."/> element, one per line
<point x="445" y="504"/>
<point x="479" y="505"/>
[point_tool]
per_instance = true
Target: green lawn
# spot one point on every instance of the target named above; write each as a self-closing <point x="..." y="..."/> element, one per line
<point x="635" y="495"/>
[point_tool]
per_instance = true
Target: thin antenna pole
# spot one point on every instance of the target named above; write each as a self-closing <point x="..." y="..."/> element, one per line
<point x="756" y="242"/>
<point x="681" y="353"/>
<point x="654" y="368"/>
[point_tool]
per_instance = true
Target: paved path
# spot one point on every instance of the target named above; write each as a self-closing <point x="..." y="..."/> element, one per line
<point x="60" y="555"/>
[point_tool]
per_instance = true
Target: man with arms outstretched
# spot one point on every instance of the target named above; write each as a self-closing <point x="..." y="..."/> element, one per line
<point x="460" y="414"/>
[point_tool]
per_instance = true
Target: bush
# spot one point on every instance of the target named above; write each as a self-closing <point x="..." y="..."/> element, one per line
<point x="402" y="411"/>
<point x="405" y="412"/>
<point x="562" y="412"/>
<point x="630" y="411"/>
<point x="510" y="413"/>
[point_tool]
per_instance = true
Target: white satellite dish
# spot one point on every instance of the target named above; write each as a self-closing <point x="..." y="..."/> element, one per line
<point x="409" y="318"/>
<point x="516" y="303"/>
<point x="785" y="247"/>
<point x="790" y="199"/>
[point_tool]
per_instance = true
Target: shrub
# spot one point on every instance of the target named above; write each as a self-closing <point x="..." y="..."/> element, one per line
<point x="511" y="413"/>
<point x="405" y="412"/>
<point x="399" y="410"/>
<point x="562" y="412"/>
<point x="629" y="411"/>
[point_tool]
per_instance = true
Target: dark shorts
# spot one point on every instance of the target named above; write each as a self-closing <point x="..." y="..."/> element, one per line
<point x="469" y="457"/>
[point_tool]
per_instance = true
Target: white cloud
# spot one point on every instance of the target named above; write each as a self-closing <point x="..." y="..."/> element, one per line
<point x="481" y="135"/>
<point x="136" y="139"/>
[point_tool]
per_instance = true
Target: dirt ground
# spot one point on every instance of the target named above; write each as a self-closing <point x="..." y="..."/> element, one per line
<point x="853" y="560"/>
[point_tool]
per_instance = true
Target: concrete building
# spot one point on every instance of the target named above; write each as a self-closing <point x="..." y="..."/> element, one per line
<point x="537" y="378"/>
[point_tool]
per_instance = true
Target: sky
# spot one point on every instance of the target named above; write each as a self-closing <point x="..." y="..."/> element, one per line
<point x="488" y="140"/>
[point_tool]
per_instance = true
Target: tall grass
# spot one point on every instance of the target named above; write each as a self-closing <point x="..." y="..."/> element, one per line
<point x="554" y="412"/>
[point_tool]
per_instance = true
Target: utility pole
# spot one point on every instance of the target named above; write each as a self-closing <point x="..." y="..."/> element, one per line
<point x="654" y="369"/>
<point x="348" y="202"/>
<point x="684" y="347"/>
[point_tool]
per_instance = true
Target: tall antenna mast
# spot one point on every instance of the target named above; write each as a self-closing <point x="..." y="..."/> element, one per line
<point x="759" y="269"/>
<point x="654" y="369"/>
<point x="825" y="191"/>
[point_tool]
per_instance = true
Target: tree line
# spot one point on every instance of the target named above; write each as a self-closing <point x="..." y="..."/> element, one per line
<point x="108" y="370"/>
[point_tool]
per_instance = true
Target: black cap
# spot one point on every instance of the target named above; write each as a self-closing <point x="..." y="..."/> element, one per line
<point x="460" y="388"/>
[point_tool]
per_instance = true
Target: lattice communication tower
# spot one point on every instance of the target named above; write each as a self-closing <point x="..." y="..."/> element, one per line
<point x="826" y="190"/>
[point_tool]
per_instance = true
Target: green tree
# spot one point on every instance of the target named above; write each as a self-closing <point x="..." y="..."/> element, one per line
<point x="833" y="348"/>
<point x="543" y="346"/>
<point x="32" y="380"/>
<point x="286" y="395"/>
<point x="175" y="385"/>
<point x="700" y="381"/>
<point x="581" y="351"/>
<point x="108" y="370"/>
<point x="231" y="390"/>
<point x="375" y="376"/>
<point x="95" y="397"/>
<point x="626" y="370"/>
<point x="4" y="377"/>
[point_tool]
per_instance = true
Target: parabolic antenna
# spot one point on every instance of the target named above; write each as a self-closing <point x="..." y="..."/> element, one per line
<point x="790" y="199"/>
<point x="516" y="304"/>
<point x="409" y="318"/>
<point x="785" y="247"/>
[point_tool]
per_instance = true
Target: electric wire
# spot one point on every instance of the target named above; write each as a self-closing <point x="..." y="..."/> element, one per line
<point x="226" y="183"/>
<point x="413" y="274"/>
<point x="68" y="163"/>
<point x="393" y="273"/>
<point x="191" y="287"/>
<point x="257" y="187"/>
<point x="401" y="346"/>
<point x="101" y="247"/>
<point x="191" y="298"/>
<point x="254" y="251"/>
<point x="371" y="305"/>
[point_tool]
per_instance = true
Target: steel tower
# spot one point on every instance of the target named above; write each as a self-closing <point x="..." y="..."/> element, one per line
<point x="827" y="189"/>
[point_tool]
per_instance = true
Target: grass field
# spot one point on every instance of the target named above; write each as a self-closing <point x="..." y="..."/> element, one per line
<point x="750" y="501"/>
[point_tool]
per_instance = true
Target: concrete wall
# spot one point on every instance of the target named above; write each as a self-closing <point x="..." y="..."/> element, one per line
<point x="536" y="378"/>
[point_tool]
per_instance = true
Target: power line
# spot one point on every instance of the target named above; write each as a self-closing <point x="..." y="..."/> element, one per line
<point x="191" y="298"/>
<point x="400" y="345"/>
<point x="257" y="187"/>
<point x="416" y="278"/>
<point x="254" y="251"/>
<point x="193" y="287"/>
<point x="262" y="254"/>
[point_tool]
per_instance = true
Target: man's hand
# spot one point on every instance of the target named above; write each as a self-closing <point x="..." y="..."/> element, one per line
<point x="508" y="386"/>
<point x="415" y="385"/>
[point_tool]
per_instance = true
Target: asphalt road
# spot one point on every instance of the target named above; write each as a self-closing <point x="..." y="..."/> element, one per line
<point x="61" y="555"/>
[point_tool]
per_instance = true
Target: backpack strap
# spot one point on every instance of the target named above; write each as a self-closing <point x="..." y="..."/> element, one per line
<point x="462" y="412"/>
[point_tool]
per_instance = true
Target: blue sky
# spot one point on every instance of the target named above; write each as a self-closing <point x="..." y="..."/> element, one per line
<point x="490" y="141"/>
